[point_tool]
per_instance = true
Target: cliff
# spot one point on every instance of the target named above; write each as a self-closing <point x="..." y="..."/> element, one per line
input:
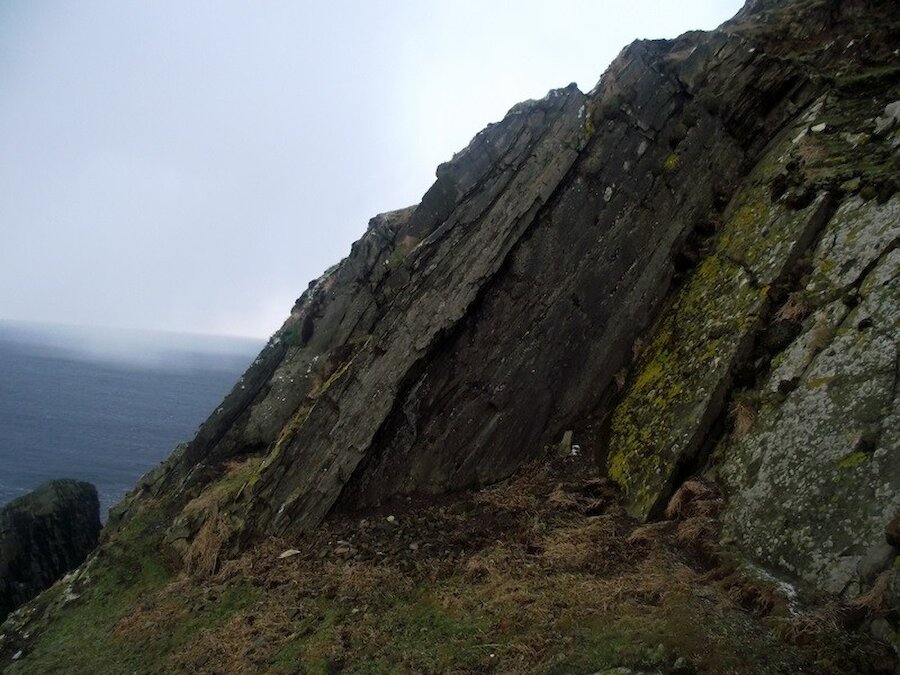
<point x="685" y="278"/>
<point x="43" y="535"/>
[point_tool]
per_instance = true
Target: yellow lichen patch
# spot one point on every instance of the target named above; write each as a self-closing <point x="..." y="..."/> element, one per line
<point x="680" y="375"/>
<point x="672" y="162"/>
<point x="852" y="460"/>
<point x="693" y="345"/>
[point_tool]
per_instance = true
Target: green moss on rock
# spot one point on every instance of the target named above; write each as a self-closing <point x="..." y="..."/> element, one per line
<point x="681" y="379"/>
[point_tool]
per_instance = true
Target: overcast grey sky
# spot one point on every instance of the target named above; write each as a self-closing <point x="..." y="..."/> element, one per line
<point x="190" y="166"/>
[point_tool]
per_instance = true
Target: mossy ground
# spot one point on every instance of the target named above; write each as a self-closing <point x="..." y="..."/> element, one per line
<point x="544" y="574"/>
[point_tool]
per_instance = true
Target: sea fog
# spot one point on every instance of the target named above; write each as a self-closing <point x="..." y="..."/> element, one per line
<point x="104" y="406"/>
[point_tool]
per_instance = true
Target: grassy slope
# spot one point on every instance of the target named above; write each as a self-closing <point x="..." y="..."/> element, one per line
<point x="541" y="574"/>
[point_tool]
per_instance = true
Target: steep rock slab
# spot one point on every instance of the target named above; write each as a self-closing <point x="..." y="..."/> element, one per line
<point x="541" y="348"/>
<point x="43" y="535"/>
<point x="682" y="378"/>
<point x="502" y="181"/>
<point x="815" y="482"/>
<point x="515" y="359"/>
<point x="327" y="323"/>
<point x="502" y="356"/>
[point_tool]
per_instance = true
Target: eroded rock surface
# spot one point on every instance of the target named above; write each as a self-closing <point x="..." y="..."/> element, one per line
<point x="815" y="482"/>
<point x="690" y="270"/>
<point x="641" y="264"/>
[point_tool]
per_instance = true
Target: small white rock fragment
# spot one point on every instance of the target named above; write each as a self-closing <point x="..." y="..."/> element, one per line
<point x="818" y="128"/>
<point x="287" y="554"/>
<point x="391" y="519"/>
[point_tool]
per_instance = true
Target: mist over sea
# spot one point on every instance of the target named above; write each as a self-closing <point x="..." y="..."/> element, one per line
<point x="104" y="406"/>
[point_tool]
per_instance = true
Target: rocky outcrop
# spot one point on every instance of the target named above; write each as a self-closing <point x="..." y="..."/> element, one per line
<point x="814" y="482"/>
<point x="690" y="270"/>
<point x="43" y="535"/>
<point x="651" y="265"/>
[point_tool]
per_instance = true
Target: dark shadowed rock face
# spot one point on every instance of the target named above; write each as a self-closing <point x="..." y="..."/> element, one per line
<point x="43" y="535"/>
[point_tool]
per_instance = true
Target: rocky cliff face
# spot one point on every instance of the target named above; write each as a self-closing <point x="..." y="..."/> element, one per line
<point x="616" y="262"/>
<point x="689" y="270"/>
<point x="43" y="535"/>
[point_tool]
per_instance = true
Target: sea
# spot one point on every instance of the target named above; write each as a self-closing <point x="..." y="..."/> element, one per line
<point x="104" y="406"/>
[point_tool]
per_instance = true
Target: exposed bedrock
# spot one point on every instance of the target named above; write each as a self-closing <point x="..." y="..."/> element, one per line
<point x="667" y="265"/>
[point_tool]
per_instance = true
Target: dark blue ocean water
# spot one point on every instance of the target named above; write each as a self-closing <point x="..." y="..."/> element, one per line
<point x="80" y="414"/>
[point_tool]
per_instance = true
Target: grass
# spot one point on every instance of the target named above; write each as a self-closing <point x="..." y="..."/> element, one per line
<point x="118" y="582"/>
<point x="543" y="574"/>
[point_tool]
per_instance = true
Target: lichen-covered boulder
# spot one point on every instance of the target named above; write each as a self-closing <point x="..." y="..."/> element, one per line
<point x="815" y="482"/>
<point x="681" y="380"/>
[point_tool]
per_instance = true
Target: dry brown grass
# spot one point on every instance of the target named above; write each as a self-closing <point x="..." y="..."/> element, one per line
<point x="516" y="496"/>
<point x="700" y="534"/>
<point x="878" y="597"/>
<point x="651" y="533"/>
<point x="238" y="646"/>
<point x="695" y="497"/>
<point x="805" y="628"/>
<point x="518" y="571"/>
<point x="795" y="308"/>
<point x="811" y="150"/>
<point x="743" y="416"/>
<point x="595" y="545"/>
<point x="561" y="499"/>
<point x="202" y="556"/>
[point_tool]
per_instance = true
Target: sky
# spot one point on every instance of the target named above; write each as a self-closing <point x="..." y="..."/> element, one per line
<point x="190" y="166"/>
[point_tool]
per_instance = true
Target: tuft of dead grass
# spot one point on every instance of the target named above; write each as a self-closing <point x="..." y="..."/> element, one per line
<point x="696" y="497"/>
<point x="795" y="308"/>
<point x="595" y="545"/>
<point x="743" y="416"/>
<point x="700" y="534"/>
<point x="224" y="490"/>
<point x="202" y="556"/>
<point x="651" y="533"/>
<point x="806" y="628"/>
<point x="563" y="500"/>
<point x="878" y="597"/>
